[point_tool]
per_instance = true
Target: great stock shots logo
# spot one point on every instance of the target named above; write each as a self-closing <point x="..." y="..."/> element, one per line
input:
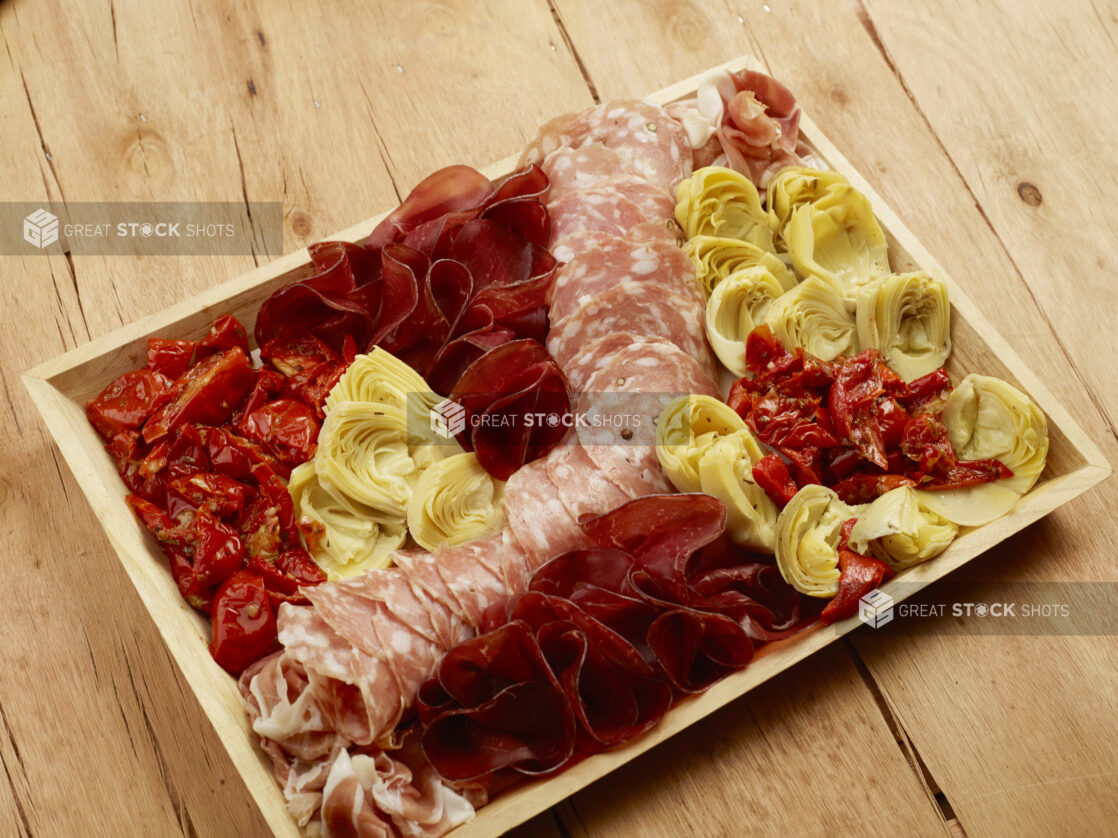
<point x="40" y="229"/>
<point x="448" y="419"/>
<point x="875" y="608"/>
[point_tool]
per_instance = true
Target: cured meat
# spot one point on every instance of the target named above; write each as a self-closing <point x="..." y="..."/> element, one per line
<point x="593" y="356"/>
<point x="639" y="377"/>
<point x="574" y="169"/>
<point x="651" y="143"/>
<point x="644" y="308"/>
<point x="583" y="488"/>
<point x="599" y="209"/>
<point x="573" y="244"/>
<point x="654" y="202"/>
<point x="537" y="518"/>
<point x="604" y="642"/>
<point x="615" y="260"/>
<point x="503" y="393"/>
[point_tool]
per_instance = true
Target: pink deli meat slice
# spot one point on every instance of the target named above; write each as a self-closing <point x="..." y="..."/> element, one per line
<point x="574" y="169"/>
<point x="597" y="209"/>
<point x="594" y="356"/>
<point x="644" y="308"/>
<point x="652" y="143"/>
<point x="585" y="491"/>
<point x="464" y="570"/>
<point x="637" y="379"/>
<point x="537" y="519"/>
<point x="615" y="260"/>
<point x="580" y="241"/>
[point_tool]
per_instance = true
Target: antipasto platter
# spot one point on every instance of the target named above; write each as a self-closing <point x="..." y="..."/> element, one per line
<point x="404" y="586"/>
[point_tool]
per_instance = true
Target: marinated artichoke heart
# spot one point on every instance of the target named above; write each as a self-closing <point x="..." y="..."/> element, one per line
<point x="345" y="538"/>
<point x="363" y="454"/>
<point x="685" y="429"/>
<point x="704" y="446"/>
<point x="715" y="258"/>
<point x="908" y="318"/>
<point x="808" y="531"/>
<point x="794" y="186"/>
<point x="813" y="315"/>
<point x="837" y="239"/>
<point x="901" y="532"/>
<point x="383" y="378"/>
<point x="987" y="418"/>
<point x="716" y="201"/>
<point x="738" y="304"/>
<point x="455" y="501"/>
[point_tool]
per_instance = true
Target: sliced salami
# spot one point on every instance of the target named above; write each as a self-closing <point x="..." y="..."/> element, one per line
<point x="572" y="244"/>
<point x="537" y="519"/>
<point x="593" y="356"/>
<point x="573" y="169"/>
<point x="652" y="143"/>
<point x="643" y="308"/>
<point x="466" y="574"/>
<point x="594" y="209"/>
<point x="583" y="488"/>
<point x="615" y="260"/>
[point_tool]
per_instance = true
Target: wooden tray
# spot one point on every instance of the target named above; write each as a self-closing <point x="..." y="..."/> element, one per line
<point x="61" y="387"/>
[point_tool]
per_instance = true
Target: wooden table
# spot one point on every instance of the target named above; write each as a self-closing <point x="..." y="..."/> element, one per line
<point x="990" y="129"/>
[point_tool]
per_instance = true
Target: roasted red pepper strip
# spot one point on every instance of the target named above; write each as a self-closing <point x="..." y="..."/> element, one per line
<point x="853" y="404"/>
<point x="128" y="402"/>
<point x="207" y="394"/>
<point x="860" y="575"/>
<point x="244" y="627"/>
<point x="772" y="475"/>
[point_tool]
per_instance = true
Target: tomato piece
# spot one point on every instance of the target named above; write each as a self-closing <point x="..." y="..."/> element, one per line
<point x="128" y="402"/>
<point x="313" y="384"/>
<point x="853" y="404"/>
<point x="892" y="418"/>
<point x="859" y="575"/>
<point x="287" y="427"/>
<point x="762" y="349"/>
<point x="297" y="353"/>
<point x="863" y="488"/>
<point x="225" y="334"/>
<point x="171" y="357"/>
<point x="217" y="552"/>
<point x="190" y="586"/>
<point x="772" y="475"/>
<point x="234" y="456"/>
<point x="287" y="573"/>
<point x="207" y="393"/>
<point x="186" y="453"/>
<point x="221" y="496"/>
<point x="244" y="626"/>
<point x="268" y="525"/>
<point x="926" y="393"/>
<point x="268" y="385"/>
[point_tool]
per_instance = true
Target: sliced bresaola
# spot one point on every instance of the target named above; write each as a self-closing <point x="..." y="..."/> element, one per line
<point x="342" y="298"/>
<point x="509" y="395"/>
<point x="446" y="191"/>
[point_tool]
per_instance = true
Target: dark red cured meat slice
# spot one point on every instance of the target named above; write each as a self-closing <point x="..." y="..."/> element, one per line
<point x="342" y="298"/>
<point x="651" y="143"/>
<point x="499" y="392"/>
<point x="447" y="190"/>
<point x="616" y="260"/>
<point x="537" y="518"/>
<point x="583" y="488"/>
<point x="696" y="649"/>
<point x="644" y="308"/>
<point x="600" y="210"/>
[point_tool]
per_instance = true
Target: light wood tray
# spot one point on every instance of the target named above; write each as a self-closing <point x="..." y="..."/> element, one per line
<point x="61" y="387"/>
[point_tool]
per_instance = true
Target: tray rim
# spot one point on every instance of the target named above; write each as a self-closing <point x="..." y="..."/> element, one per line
<point x="217" y="693"/>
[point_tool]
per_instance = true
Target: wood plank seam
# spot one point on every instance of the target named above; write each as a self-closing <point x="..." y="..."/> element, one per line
<point x="21" y="810"/>
<point x="582" y="68"/>
<point x="864" y="17"/>
<point x="905" y="743"/>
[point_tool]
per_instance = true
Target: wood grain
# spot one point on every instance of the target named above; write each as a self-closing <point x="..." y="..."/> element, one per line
<point x="205" y="100"/>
